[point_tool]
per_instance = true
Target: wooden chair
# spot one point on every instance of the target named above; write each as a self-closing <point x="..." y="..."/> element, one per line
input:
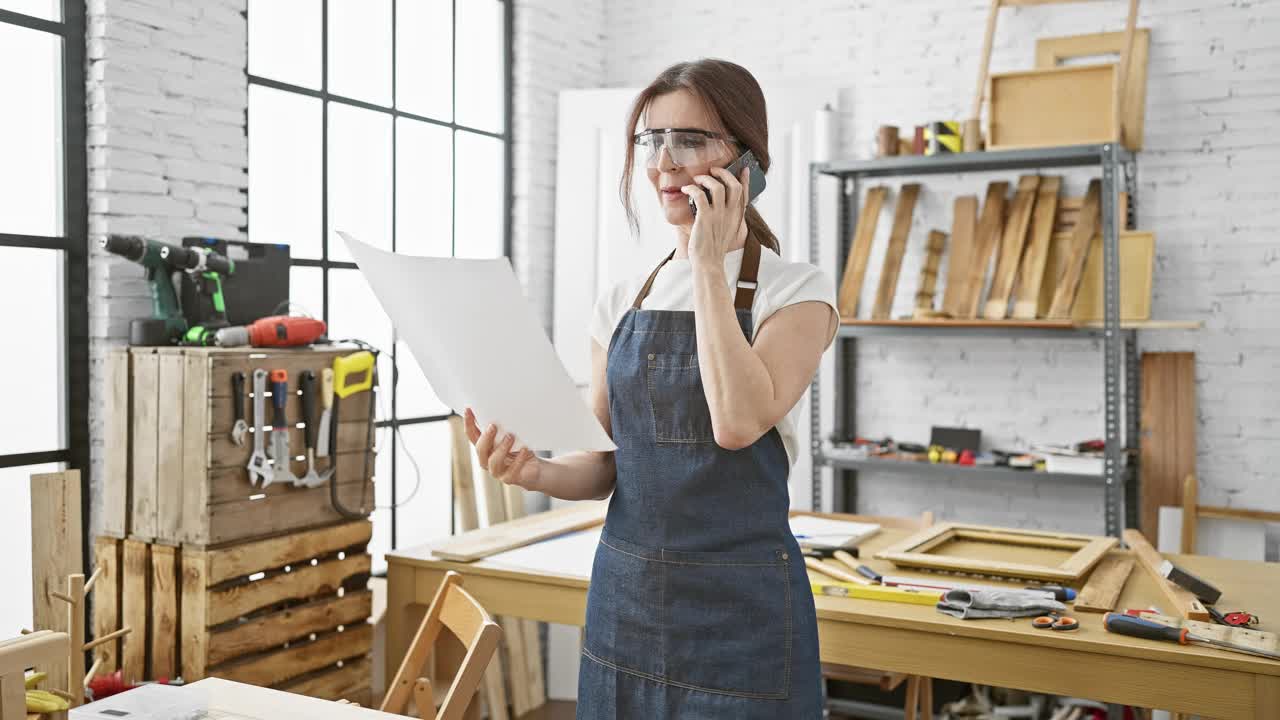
<point x="1192" y="511"/>
<point x="43" y="647"/>
<point x="453" y="609"/>
<point x="919" y="700"/>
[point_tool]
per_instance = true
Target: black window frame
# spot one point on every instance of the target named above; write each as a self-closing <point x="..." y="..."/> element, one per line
<point x="324" y="263"/>
<point x="73" y="243"/>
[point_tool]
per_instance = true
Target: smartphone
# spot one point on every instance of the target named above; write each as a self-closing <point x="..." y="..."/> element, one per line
<point x="755" y="182"/>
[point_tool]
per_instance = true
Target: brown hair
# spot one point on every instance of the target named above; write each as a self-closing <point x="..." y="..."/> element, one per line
<point x="734" y="99"/>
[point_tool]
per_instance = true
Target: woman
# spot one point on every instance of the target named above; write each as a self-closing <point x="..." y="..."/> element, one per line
<point x="699" y="604"/>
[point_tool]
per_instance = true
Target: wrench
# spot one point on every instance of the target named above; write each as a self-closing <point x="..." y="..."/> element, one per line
<point x="260" y="470"/>
<point x="241" y="428"/>
<point x="307" y="384"/>
<point x="280" y="428"/>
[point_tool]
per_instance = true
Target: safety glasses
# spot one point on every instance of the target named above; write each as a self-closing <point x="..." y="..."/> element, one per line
<point x="685" y="146"/>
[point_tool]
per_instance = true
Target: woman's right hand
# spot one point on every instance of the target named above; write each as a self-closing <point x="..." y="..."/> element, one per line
<point x="494" y="453"/>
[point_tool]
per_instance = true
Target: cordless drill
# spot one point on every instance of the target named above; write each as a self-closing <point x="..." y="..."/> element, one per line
<point x="167" y="324"/>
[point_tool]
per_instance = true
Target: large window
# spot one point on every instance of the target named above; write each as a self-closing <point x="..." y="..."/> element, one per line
<point x="387" y="119"/>
<point x="43" y="273"/>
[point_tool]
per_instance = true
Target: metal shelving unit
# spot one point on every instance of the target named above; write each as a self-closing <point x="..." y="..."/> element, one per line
<point x="1120" y="362"/>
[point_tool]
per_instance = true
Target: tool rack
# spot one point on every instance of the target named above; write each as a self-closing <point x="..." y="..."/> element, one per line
<point x="1120" y="355"/>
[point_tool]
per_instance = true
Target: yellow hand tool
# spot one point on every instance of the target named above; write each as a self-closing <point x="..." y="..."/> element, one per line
<point x="875" y="592"/>
<point x="351" y="374"/>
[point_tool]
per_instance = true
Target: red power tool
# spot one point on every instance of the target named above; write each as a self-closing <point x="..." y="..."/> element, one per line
<point x="275" y="331"/>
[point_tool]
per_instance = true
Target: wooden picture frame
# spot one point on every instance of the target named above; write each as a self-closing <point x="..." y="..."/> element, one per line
<point x="914" y="552"/>
<point x="1067" y="105"/>
<point x="1052" y="51"/>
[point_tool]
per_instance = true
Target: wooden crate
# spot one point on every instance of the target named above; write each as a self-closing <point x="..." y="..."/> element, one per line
<point x="288" y="612"/>
<point x="174" y="476"/>
<point x="1072" y="105"/>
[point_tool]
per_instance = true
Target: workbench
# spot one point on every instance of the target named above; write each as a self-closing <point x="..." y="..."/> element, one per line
<point x="916" y="639"/>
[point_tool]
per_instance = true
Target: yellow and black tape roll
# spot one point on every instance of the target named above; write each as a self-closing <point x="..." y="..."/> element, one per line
<point x="942" y="138"/>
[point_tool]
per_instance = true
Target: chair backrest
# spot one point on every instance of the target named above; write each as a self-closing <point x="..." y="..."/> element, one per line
<point x="42" y="647"/>
<point x="456" y="610"/>
<point x="1192" y="511"/>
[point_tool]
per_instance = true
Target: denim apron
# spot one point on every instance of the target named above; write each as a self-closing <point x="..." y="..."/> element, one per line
<point x="699" y="605"/>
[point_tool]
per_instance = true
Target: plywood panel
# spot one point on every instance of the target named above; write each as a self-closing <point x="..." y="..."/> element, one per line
<point x="1168" y="452"/>
<point x="1074" y="105"/>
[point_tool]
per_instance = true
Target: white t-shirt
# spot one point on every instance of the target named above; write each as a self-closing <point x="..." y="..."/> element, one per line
<point x="780" y="283"/>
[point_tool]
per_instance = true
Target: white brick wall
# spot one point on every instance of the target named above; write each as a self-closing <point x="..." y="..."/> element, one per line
<point x="167" y="151"/>
<point x="1208" y="188"/>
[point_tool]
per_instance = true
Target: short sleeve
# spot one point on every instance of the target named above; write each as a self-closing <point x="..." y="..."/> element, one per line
<point x="796" y="283"/>
<point x="605" y="315"/>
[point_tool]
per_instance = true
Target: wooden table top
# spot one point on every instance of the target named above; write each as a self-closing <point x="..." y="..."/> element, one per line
<point x="1250" y="586"/>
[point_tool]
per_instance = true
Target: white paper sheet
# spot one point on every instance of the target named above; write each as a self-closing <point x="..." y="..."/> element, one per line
<point x="826" y="531"/>
<point x="480" y="345"/>
<point x="569" y="554"/>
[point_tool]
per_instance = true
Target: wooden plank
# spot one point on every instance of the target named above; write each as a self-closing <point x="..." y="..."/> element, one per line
<point x="299" y="509"/>
<point x="929" y="273"/>
<point x="146" y="421"/>
<point x="277" y="667"/>
<point x="303" y="583"/>
<point x="1248" y="637"/>
<point x="164" y="612"/>
<point x="170" y="466"/>
<point x="349" y="682"/>
<point x="353" y="436"/>
<point x="897" y="248"/>
<point x="484" y="542"/>
<point x="115" y="427"/>
<point x="248" y="558"/>
<point x="464" y="489"/>
<point x="136" y="609"/>
<point x="55" y="552"/>
<point x="1179" y="601"/>
<point x="75" y="638"/>
<point x="1031" y="274"/>
<point x="1072" y="105"/>
<point x="106" y="601"/>
<point x="1051" y="51"/>
<point x="1168" y="451"/>
<point x="912" y="552"/>
<point x="1105" y="583"/>
<point x="195" y="450"/>
<point x="1069" y="212"/>
<point x="986" y="239"/>
<point x="855" y="267"/>
<point x="194" y="643"/>
<point x="964" y="223"/>
<point x="1137" y="266"/>
<point x="1068" y="283"/>
<point x="273" y="630"/>
<point x="1011" y="245"/>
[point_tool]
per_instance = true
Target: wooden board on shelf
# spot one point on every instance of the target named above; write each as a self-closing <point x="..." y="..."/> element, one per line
<point x="1064" y="295"/>
<point x="476" y="544"/>
<point x="963" y="226"/>
<point x="1069" y="212"/>
<point x="897" y="249"/>
<point x="1001" y="552"/>
<point x="986" y="239"/>
<point x="1011" y="245"/>
<point x="1071" y="105"/>
<point x="1031" y="273"/>
<point x="929" y="273"/>
<point x="1168" y="451"/>
<point x="1106" y="581"/>
<point x="855" y="267"/>
<point x="1178" y="600"/>
<point x="1137" y="267"/>
<point x="1052" y="51"/>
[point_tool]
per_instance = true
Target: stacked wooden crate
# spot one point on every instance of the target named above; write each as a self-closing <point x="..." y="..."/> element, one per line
<point x="216" y="576"/>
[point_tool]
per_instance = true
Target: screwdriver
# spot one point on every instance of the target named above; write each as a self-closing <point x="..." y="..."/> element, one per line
<point x="1140" y="628"/>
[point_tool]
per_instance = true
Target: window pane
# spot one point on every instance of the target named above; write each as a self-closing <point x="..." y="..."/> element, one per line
<point x="15" y="561"/>
<point x="426" y="515"/>
<point x="414" y="398"/>
<point x="424" y="52"/>
<point x="31" y="280"/>
<point x="306" y="291"/>
<point x="354" y="313"/>
<point x="424" y="192"/>
<point x="284" y="41"/>
<point x="360" y="49"/>
<point x="47" y="9"/>
<point x="284" y="175"/>
<point x="480" y="64"/>
<point x="30" y="154"/>
<point x="359" y="177"/>
<point x="481" y="193"/>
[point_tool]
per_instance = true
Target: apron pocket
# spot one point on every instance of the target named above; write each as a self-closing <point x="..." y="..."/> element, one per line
<point x="677" y="401"/>
<point x="727" y="622"/>
<point x="623" y="603"/>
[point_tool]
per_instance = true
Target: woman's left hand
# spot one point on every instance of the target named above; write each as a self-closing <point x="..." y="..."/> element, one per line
<point x="720" y="219"/>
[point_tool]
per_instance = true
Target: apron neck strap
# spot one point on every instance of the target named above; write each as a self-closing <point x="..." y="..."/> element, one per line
<point x="746" y="285"/>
